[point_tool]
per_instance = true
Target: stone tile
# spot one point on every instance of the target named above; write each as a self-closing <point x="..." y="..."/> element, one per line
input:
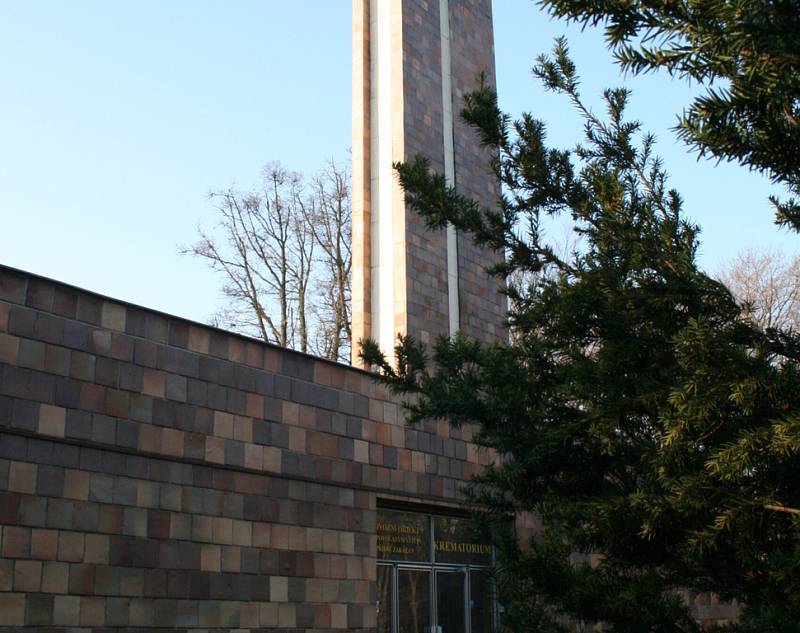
<point x="223" y="425"/>
<point x="131" y="377"/>
<point x="210" y="558"/>
<point x="27" y="576"/>
<point x="40" y="295"/>
<point x="230" y="560"/>
<point x="215" y="450"/>
<point x="22" y="477"/>
<point x="145" y="353"/>
<point x="70" y="546"/>
<point x="93" y="611"/>
<point x="242" y="533"/>
<point x="9" y="349"/>
<point x="96" y="549"/>
<point x="199" y="339"/>
<point x="16" y="542"/>
<point x="52" y="420"/>
<point x="279" y="589"/>
<point x="268" y="614"/>
<point x="176" y="387"/>
<point x="66" y="610"/>
<point x="12" y="605"/>
<point x="6" y="573"/>
<point x="57" y="360"/>
<point x="55" y="577"/>
<point x="242" y="429"/>
<point x="113" y="316"/>
<point x="44" y="544"/>
<point x="154" y="383"/>
<point x="172" y="442"/>
<point x="287" y="616"/>
<point x="273" y="459"/>
<point x="117" y="612"/>
<point x="65" y="302"/>
<point x="50" y="481"/>
<point x="253" y="456"/>
<point x="81" y="579"/>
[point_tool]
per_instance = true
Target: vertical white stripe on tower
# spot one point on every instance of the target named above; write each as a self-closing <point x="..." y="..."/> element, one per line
<point x="449" y="163"/>
<point x="381" y="175"/>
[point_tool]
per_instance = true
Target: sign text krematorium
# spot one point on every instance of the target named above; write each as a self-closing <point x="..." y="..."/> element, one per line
<point x="407" y="536"/>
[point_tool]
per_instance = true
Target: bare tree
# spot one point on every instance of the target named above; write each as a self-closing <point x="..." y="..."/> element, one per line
<point x="767" y="283"/>
<point x="302" y="266"/>
<point x="284" y="253"/>
<point x="330" y="219"/>
<point x="253" y="248"/>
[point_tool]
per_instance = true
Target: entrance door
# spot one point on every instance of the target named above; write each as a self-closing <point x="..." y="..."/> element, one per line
<point x="413" y="600"/>
<point x="450" y="601"/>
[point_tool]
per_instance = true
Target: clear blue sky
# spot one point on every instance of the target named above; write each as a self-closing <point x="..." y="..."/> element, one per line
<point x="117" y="118"/>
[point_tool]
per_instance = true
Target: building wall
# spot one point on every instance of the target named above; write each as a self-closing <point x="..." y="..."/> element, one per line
<point x="482" y="306"/>
<point x="420" y="284"/>
<point x="157" y="473"/>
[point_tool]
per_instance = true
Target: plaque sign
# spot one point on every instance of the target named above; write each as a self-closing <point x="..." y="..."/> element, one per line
<point x="455" y="542"/>
<point x="403" y="536"/>
<point x="406" y="536"/>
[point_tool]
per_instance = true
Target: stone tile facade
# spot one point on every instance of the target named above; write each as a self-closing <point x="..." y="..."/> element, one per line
<point x="482" y="307"/>
<point x="420" y="255"/>
<point x="157" y="473"/>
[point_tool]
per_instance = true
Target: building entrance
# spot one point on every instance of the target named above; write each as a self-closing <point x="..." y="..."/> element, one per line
<point x="431" y="575"/>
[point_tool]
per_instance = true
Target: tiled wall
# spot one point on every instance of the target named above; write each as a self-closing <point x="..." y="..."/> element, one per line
<point x="481" y="307"/>
<point x="156" y="473"/>
<point x="420" y="285"/>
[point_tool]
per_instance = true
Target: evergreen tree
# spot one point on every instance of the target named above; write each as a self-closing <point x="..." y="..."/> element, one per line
<point x="650" y="428"/>
<point x="747" y="55"/>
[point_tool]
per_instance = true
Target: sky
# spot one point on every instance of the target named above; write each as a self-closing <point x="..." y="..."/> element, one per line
<point x="118" y="118"/>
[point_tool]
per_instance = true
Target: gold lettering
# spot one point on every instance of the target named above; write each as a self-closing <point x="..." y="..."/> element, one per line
<point x="462" y="548"/>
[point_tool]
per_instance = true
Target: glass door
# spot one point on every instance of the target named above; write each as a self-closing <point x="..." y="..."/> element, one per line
<point x="385" y="606"/>
<point x="414" y="600"/>
<point x="450" y="601"/>
<point x="431" y="575"/>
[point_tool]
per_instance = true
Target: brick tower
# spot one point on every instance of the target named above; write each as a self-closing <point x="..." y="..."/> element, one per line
<point x="413" y="61"/>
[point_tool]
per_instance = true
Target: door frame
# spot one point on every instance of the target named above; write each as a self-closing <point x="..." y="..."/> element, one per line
<point x="433" y="569"/>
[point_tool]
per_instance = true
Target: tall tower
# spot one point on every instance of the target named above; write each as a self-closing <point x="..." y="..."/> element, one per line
<point x="413" y="61"/>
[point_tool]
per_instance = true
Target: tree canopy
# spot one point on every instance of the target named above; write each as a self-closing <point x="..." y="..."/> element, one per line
<point x="747" y="55"/>
<point x="651" y="428"/>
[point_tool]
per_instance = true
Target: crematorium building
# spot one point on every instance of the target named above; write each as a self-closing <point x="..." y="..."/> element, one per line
<point x="159" y="474"/>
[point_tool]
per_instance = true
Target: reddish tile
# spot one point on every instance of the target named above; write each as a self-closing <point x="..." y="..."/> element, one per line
<point x="81" y="579"/>
<point x="93" y="612"/>
<point x="322" y="616"/>
<point x="12" y="609"/>
<point x="16" y="542"/>
<point x="153" y="383"/>
<point x="76" y="485"/>
<point x="255" y="406"/>
<point x="150" y="438"/>
<point x="9" y="348"/>
<point x="215" y="450"/>
<point x="44" y="544"/>
<point x="172" y="442"/>
<point x="92" y="397"/>
<point x="199" y="339"/>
